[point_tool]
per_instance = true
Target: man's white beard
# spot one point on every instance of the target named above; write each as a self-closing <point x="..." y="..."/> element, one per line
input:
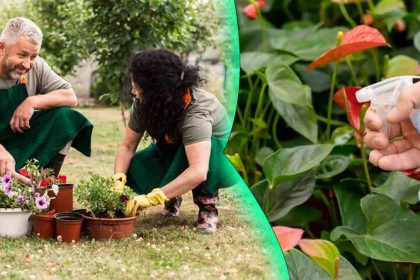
<point x="13" y="75"/>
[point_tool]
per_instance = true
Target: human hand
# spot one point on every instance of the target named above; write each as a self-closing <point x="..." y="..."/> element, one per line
<point x="7" y="162"/>
<point x="22" y="115"/>
<point x="404" y="153"/>
<point x="140" y="202"/>
<point x="119" y="179"/>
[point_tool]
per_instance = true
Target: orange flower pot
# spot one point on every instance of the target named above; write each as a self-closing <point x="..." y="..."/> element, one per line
<point x="44" y="225"/>
<point x="68" y="226"/>
<point x="109" y="228"/>
<point x="64" y="199"/>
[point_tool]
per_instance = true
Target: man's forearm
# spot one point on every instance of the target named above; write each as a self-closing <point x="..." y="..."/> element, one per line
<point x="56" y="98"/>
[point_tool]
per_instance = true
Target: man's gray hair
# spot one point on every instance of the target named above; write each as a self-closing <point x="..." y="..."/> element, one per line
<point x="20" y="26"/>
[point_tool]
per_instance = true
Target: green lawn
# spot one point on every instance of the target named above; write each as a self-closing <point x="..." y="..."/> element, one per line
<point x="162" y="248"/>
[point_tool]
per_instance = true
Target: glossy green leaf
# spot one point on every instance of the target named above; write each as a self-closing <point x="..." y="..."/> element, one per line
<point x="347" y="271"/>
<point x="284" y="85"/>
<point x="289" y="162"/>
<point x="262" y="154"/>
<point x="284" y="196"/>
<point x="348" y="198"/>
<point x="301" y="267"/>
<point x="332" y="166"/>
<point x="342" y="135"/>
<point x="322" y="252"/>
<point x="402" y="65"/>
<point x="252" y="61"/>
<point x="318" y="80"/>
<point x="392" y="232"/>
<point x="391" y="11"/>
<point x="300" y="216"/>
<point x="400" y="188"/>
<point x="307" y="44"/>
<point x="302" y="117"/>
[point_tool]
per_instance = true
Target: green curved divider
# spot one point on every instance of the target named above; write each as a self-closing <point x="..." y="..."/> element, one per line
<point x="231" y="57"/>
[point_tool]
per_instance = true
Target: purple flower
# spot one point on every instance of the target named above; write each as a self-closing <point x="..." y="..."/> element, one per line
<point x="41" y="202"/>
<point x="21" y="199"/>
<point x="7" y="188"/>
<point x="6" y="179"/>
<point x="123" y="198"/>
<point x="6" y="182"/>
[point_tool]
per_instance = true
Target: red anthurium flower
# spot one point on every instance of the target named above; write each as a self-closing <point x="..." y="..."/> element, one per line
<point x="288" y="237"/>
<point x="346" y="99"/>
<point x="24" y="172"/>
<point x="262" y="4"/>
<point x="412" y="173"/>
<point x="360" y="38"/>
<point x="250" y="11"/>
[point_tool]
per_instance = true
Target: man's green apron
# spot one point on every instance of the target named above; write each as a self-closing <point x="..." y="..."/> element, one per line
<point x="153" y="168"/>
<point x="50" y="130"/>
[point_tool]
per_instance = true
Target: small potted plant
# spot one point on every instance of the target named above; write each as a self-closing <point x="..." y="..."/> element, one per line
<point x="63" y="200"/>
<point x="20" y="198"/>
<point x="105" y="218"/>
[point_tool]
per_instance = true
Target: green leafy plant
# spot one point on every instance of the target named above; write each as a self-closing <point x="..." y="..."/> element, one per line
<point x="101" y="201"/>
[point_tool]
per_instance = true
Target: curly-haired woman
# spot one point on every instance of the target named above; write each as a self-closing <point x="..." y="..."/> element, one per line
<point x="190" y="128"/>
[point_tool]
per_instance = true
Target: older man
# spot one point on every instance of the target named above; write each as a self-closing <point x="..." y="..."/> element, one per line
<point x="35" y="118"/>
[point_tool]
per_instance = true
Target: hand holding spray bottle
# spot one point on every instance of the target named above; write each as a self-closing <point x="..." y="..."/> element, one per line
<point x="384" y="95"/>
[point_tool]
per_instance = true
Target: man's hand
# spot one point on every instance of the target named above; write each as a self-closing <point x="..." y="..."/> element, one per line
<point x="22" y="116"/>
<point x="139" y="202"/>
<point x="7" y="162"/>
<point x="404" y="153"/>
<point x="120" y="179"/>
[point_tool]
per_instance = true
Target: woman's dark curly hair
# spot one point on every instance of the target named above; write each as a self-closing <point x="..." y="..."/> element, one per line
<point x="164" y="79"/>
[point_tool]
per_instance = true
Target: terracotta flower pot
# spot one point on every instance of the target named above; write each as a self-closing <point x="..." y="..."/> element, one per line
<point x="44" y="225"/>
<point x="109" y="228"/>
<point x="68" y="226"/>
<point x="64" y="199"/>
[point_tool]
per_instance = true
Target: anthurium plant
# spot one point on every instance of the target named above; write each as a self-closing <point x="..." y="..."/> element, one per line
<point x="101" y="201"/>
<point x="298" y="136"/>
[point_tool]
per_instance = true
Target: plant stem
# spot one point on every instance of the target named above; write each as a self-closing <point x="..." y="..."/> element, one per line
<point x="378" y="272"/>
<point x="363" y="148"/>
<point x="333" y="80"/>
<point x="345" y="14"/>
<point x="353" y="75"/>
<point x="240" y="115"/>
<point x="376" y="64"/>
<point x="359" y="9"/>
<point x="394" y="270"/>
<point x="263" y="35"/>
<point x="371" y="5"/>
<point x="249" y="101"/>
<point x="410" y="272"/>
<point x="274" y="131"/>
<point x="333" y="122"/>
<point x="266" y="205"/>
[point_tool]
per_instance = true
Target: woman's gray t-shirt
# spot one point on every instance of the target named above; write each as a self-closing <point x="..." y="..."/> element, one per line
<point x="205" y="117"/>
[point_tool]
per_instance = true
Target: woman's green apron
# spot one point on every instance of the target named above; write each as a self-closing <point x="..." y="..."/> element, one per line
<point x="153" y="168"/>
<point x="49" y="131"/>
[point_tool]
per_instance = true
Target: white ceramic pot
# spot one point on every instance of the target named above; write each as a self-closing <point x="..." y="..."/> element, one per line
<point x="14" y="222"/>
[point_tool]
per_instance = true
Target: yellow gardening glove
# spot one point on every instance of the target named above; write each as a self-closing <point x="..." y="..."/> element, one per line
<point x="139" y="202"/>
<point x="119" y="180"/>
